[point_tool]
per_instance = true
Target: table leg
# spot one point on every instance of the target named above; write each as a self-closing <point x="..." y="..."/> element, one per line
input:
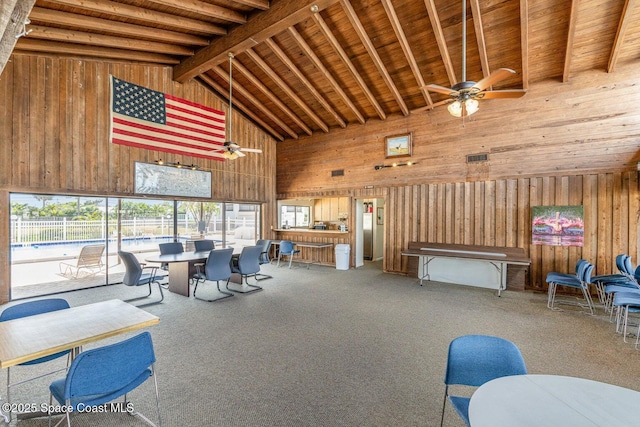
<point x="179" y="278"/>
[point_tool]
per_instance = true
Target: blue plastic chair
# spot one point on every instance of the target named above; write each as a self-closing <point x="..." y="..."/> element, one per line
<point x="217" y="267"/>
<point x="581" y="281"/>
<point x="287" y="249"/>
<point x="135" y="275"/>
<point x="474" y="360"/>
<point x="106" y="373"/>
<point x="204" y="245"/>
<point x="246" y="265"/>
<point x="33" y="308"/>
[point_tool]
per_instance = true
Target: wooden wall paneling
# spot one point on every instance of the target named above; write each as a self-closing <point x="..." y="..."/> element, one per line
<point x="433" y="213"/>
<point x="35" y="166"/>
<point x="548" y="252"/>
<point x="535" y="199"/>
<point x="78" y="113"/>
<point x="51" y="124"/>
<point x="459" y="219"/>
<point x="415" y="213"/>
<point x="605" y="217"/>
<point x="20" y="153"/>
<point x="511" y="214"/>
<point x="500" y="232"/>
<point x="448" y="211"/>
<point x="574" y="198"/>
<point x="591" y="217"/>
<point x="478" y="214"/>
<point x="561" y="198"/>
<point x="6" y="119"/>
<point x="103" y="97"/>
<point x="633" y="219"/>
<point x="618" y="212"/>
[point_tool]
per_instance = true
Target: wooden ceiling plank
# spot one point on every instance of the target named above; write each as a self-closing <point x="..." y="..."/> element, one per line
<point x="327" y="74"/>
<point x="145" y="15"/>
<point x="41" y="15"/>
<point x="13" y="14"/>
<point x="258" y="4"/>
<point x="573" y="20"/>
<point x="349" y="64"/>
<point x="260" y="27"/>
<point x="205" y="9"/>
<point x="404" y="44"/>
<point x="245" y="110"/>
<point x="623" y="24"/>
<point x="52" y="47"/>
<point x="440" y="40"/>
<point x="310" y="87"/>
<point x="287" y="90"/>
<point x="366" y="41"/>
<point x="479" y="30"/>
<point x="61" y="35"/>
<point x="247" y="94"/>
<point x="524" y="41"/>
<point x="265" y="90"/>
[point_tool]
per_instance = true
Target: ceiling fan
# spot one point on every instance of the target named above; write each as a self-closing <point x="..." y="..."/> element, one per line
<point x="465" y="94"/>
<point x="232" y="150"/>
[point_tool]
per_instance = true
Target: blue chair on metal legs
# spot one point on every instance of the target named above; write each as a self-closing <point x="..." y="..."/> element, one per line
<point x="135" y="275"/>
<point x="475" y="359"/>
<point x="204" y="245"/>
<point x="264" y="257"/>
<point x="32" y="308"/>
<point x="287" y="249"/>
<point x="217" y="267"/>
<point x="580" y="281"/>
<point x="246" y="265"/>
<point x="103" y="374"/>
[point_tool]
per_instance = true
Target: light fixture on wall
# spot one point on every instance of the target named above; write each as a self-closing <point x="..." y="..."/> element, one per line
<point x="24" y="31"/>
<point x="176" y="165"/>
<point x="393" y="165"/>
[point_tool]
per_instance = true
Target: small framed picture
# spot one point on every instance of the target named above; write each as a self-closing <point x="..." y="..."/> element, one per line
<point x="398" y="146"/>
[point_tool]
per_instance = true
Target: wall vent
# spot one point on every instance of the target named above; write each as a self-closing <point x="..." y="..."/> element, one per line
<point x="475" y="158"/>
<point x="338" y="172"/>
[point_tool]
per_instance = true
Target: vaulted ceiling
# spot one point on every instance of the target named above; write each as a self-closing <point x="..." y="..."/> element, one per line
<point x="302" y="67"/>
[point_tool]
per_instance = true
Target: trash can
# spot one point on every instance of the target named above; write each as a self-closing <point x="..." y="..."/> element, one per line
<point x="342" y="256"/>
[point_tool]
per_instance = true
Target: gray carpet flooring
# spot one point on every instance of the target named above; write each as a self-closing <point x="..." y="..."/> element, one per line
<point x="326" y="347"/>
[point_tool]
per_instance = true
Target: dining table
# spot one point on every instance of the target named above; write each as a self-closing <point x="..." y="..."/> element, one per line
<point x="32" y="337"/>
<point x="553" y="401"/>
<point x="180" y="268"/>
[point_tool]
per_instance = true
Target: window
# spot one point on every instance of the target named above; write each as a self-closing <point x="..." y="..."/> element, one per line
<point x="294" y="216"/>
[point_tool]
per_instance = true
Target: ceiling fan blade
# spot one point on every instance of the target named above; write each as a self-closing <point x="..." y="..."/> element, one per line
<point x="507" y="93"/>
<point x="442" y="89"/>
<point x="495" y="77"/>
<point x="251" y="150"/>
<point x="239" y="153"/>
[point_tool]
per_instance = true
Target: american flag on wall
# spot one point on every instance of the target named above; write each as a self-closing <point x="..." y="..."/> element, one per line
<point x="145" y="118"/>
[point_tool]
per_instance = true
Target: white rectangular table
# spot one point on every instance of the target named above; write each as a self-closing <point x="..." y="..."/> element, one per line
<point x="32" y="337"/>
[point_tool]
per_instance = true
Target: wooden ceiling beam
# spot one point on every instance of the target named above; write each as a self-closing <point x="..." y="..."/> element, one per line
<point x="368" y="45"/>
<point x="146" y="15"/>
<point x="13" y="14"/>
<point x="349" y="64"/>
<point x="215" y="86"/>
<point x="272" y="97"/>
<point x="408" y="53"/>
<point x="287" y="90"/>
<point x="41" y="15"/>
<point x="440" y="40"/>
<point x="479" y="30"/>
<point x="310" y="87"/>
<point x="248" y="95"/>
<point x="524" y="41"/>
<point x="80" y="50"/>
<point x="623" y="24"/>
<point x="260" y="27"/>
<point x="61" y="35"/>
<point x="327" y="74"/>
<point x="571" y="31"/>
<point x="207" y="9"/>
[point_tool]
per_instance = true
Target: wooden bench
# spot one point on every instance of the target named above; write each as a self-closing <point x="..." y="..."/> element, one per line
<point x="90" y="260"/>
<point x="472" y="265"/>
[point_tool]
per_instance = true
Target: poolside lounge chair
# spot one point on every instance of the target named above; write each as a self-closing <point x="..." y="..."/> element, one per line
<point x="89" y="260"/>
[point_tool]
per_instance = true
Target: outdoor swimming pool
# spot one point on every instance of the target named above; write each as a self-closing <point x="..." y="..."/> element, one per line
<point x="58" y="251"/>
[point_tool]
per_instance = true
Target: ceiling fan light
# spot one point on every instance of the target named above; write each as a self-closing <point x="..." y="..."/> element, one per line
<point x="455" y="109"/>
<point x="471" y="105"/>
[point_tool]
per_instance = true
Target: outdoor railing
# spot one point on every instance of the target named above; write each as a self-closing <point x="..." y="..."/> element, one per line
<point x="29" y="232"/>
